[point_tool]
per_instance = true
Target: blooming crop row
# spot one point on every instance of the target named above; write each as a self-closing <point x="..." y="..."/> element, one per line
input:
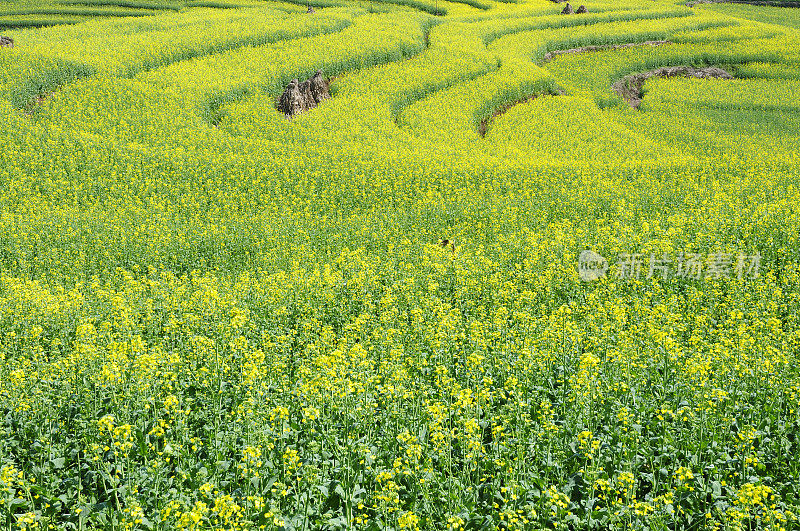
<point x="371" y="316"/>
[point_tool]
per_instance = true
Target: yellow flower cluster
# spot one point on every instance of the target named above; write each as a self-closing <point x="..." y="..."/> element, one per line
<point x="212" y="317"/>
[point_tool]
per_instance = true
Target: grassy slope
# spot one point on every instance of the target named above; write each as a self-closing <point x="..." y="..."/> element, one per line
<point x="783" y="16"/>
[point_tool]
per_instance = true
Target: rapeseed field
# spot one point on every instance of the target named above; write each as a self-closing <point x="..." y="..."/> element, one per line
<point x="474" y="289"/>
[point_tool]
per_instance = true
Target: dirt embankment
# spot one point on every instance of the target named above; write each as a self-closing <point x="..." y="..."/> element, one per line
<point x="630" y="86"/>
<point x="484" y="126"/>
<point x="584" y="49"/>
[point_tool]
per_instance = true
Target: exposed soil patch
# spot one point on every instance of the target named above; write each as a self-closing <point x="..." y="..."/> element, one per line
<point x="6" y="42"/>
<point x="34" y="105"/>
<point x="502" y="110"/>
<point x="550" y="55"/>
<point x="771" y="3"/>
<point x="302" y="96"/>
<point x="630" y="86"/>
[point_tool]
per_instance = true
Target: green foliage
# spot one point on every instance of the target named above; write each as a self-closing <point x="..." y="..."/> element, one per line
<point x="213" y="317"/>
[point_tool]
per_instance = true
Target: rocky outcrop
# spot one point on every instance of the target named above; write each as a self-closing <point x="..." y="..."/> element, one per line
<point x="567" y="10"/>
<point x="300" y="97"/>
<point x="630" y="86"/>
<point x="581" y="10"/>
<point x="6" y="42"/>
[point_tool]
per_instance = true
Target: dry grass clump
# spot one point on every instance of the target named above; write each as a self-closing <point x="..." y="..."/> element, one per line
<point x="300" y="97"/>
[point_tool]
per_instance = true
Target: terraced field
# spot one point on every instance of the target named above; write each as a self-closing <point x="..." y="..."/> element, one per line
<point x="378" y="314"/>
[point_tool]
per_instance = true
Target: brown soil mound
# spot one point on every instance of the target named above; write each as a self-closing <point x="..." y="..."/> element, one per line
<point x="549" y="55"/>
<point x="300" y="97"/>
<point x="567" y="10"/>
<point x="6" y="42"/>
<point x="502" y="110"/>
<point x="630" y="86"/>
<point x="581" y="10"/>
